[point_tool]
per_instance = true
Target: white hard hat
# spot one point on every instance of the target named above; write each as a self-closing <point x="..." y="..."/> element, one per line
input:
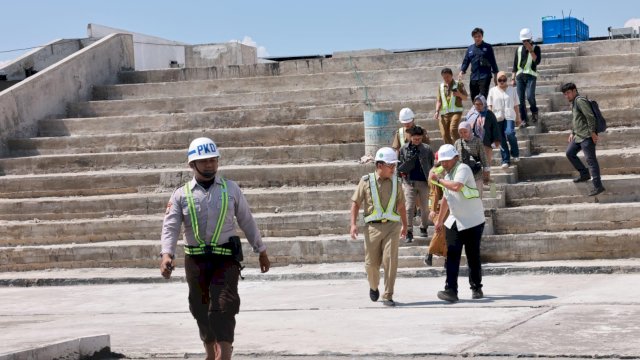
<point x="406" y="116"/>
<point x="202" y="148"/>
<point x="525" y="34"/>
<point x="447" y="152"/>
<point x="387" y="155"/>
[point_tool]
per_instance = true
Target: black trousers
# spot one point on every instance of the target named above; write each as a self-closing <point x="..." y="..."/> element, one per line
<point x="213" y="295"/>
<point x="588" y="147"/>
<point x="477" y="87"/>
<point x="470" y="239"/>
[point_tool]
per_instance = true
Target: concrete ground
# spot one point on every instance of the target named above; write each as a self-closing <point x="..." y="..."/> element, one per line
<point x="558" y="315"/>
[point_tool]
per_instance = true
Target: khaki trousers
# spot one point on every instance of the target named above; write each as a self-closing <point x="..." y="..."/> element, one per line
<point x="480" y="186"/>
<point x="381" y="247"/>
<point x="416" y="191"/>
<point x="449" y="127"/>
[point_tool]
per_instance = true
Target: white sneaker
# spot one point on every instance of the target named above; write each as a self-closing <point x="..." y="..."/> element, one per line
<point x="504" y="166"/>
<point x="516" y="159"/>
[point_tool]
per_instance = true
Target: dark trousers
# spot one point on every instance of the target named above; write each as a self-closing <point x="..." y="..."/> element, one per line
<point x="477" y="87"/>
<point x="526" y="88"/>
<point x="589" y="149"/>
<point x="213" y="295"/>
<point x="470" y="239"/>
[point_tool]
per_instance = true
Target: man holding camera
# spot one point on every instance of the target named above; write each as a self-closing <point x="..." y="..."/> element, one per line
<point x="524" y="75"/>
<point x="449" y="108"/>
<point x="207" y="205"/>
<point x="483" y="63"/>
<point x="416" y="159"/>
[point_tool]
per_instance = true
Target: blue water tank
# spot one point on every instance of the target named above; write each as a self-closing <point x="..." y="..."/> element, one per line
<point x="567" y="29"/>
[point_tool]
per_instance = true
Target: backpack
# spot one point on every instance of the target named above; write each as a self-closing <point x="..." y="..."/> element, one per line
<point x="601" y="123"/>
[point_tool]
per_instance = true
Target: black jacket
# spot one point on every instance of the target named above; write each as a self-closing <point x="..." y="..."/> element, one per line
<point x="425" y="155"/>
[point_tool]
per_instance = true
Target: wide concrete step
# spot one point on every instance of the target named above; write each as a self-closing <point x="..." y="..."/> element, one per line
<point x="605" y="62"/>
<point x="201" y="103"/>
<point x="157" y="159"/>
<point x="179" y="140"/>
<point x="613" y="138"/>
<point x="616" y="117"/>
<point x="608" y="97"/>
<point x="148" y="227"/>
<point x="620" y="188"/>
<point x="523" y="148"/>
<point x="280" y="116"/>
<point x="261" y="200"/>
<point x="565" y="245"/>
<point x="567" y="217"/>
<point x="148" y="180"/>
<point x="376" y="95"/>
<point x="556" y="165"/>
<point x="352" y="64"/>
<point x="429" y="76"/>
<point x="599" y="77"/>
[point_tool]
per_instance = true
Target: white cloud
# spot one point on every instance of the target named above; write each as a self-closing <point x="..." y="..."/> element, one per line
<point x="634" y="22"/>
<point x="247" y="40"/>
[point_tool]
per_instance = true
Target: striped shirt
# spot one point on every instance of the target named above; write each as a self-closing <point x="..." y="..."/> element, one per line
<point x="475" y="149"/>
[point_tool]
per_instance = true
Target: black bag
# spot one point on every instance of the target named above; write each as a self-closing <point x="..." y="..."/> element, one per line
<point x="601" y="123"/>
<point x="236" y="248"/>
<point x="475" y="166"/>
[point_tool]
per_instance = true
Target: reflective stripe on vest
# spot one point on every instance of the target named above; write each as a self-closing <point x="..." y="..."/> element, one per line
<point x="467" y="192"/>
<point x="403" y="140"/>
<point x="380" y="214"/>
<point x="202" y="247"/>
<point x="451" y="106"/>
<point x="527" y="66"/>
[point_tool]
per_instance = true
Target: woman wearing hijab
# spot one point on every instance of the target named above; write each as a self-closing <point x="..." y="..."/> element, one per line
<point x="503" y="102"/>
<point x="485" y="126"/>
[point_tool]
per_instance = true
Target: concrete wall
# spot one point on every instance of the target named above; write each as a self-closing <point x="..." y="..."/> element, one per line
<point x="150" y="52"/>
<point x="46" y="94"/>
<point x="41" y="58"/>
<point x="208" y="55"/>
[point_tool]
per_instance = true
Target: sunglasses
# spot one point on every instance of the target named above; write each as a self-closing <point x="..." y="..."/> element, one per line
<point x="502" y="80"/>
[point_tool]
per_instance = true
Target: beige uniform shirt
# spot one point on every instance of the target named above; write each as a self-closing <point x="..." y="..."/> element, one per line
<point x="208" y="204"/>
<point x="363" y="194"/>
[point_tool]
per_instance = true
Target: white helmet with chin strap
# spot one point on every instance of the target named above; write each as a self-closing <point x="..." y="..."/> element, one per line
<point x="202" y="148"/>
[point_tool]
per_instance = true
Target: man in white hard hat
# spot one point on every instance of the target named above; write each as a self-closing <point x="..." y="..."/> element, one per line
<point x="524" y="75"/>
<point x="464" y="224"/>
<point x="206" y="206"/>
<point x="402" y="136"/>
<point x="449" y="108"/>
<point x="385" y="220"/>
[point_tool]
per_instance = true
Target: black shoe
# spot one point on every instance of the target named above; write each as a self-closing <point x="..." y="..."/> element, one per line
<point x="534" y="118"/>
<point x="595" y="191"/>
<point x="409" y="237"/>
<point x="428" y="260"/>
<point x="477" y="294"/>
<point x="582" y="178"/>
<point x="389" y="302"/>
<point x="374" y="295"/>
<point x="423" y="232"/>
<point x="448" y="295"/>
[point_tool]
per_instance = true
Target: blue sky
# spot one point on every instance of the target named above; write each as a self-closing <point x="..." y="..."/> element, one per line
<point x="301" y="27"/>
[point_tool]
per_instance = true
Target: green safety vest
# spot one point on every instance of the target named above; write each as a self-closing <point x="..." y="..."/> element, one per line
<point x="527" y="66"/>
<point x="401" y="136"/>
<point x="467" y="192"/>
<point x="202" y="247"/>
<point x="451" y="106"/>
<point x="380" y="214"/>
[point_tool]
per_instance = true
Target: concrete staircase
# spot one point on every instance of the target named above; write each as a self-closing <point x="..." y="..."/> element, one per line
<point x="91" y="189"/>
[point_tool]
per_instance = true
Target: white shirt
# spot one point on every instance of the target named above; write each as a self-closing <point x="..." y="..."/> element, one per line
<point x="503" y="102"/>
<point x="467" y="213"/>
